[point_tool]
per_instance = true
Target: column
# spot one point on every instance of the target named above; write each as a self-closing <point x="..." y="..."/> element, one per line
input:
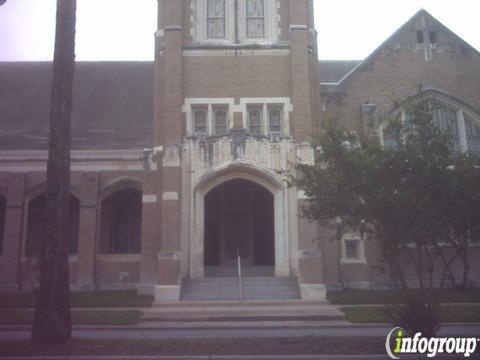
<point x="85" y="275"/>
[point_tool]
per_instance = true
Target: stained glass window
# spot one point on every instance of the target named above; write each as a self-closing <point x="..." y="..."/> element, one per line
<point x="255" y="121"/>
<point x="200" y="121"/>
<point x="473" y="136"/>
<point x="446" y="119"/>
<point x="255" y="19"/>
<point x="216" y="19"/>
<point x="220" y="122"/>
<point x="275" y="120"/>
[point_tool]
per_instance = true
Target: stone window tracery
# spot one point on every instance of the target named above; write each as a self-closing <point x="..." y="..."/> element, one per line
<point x="255" y="121"/>
<point x="473" y="136"/>
<point x="216" y="19"/>
<point x="220" y="121"/>
<point x="451" y="118"/>
<point x="200" y="121"/>
<point x="275" y="120"/>
<point x="256" y="21"/>
<point x="255" y="18"/>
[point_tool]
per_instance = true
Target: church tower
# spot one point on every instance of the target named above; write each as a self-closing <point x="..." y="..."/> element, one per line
<point x="236" y="102"/>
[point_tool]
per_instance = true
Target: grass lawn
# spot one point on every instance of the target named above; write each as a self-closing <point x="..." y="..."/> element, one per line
<point x="79" y="317"/>
<point x="449" y="313"/>
<point x="120" y="298"/>
<point x="350" y="297"/>
<point x="252" y="346"/>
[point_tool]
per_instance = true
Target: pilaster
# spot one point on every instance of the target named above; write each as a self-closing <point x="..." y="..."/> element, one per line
<point x="10" y="266"/>
<point x="85" y="274"/>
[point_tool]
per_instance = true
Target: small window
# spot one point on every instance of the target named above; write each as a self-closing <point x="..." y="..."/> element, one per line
<point x="353" y="249"/>
<point x="419" y="37"/>
<point x="255" y="19"/>
<point x="216" y="19"/>
<point x="200" y="121"/>
<point x="220" y="121"/>
<point x="3" y="203"/>
<point x="432" y="37"/>
<point x="275" y="119"/>
<point x="255" y="121"/>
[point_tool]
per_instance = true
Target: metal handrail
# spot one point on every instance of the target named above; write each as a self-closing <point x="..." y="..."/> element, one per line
<point x="239" y="273"/>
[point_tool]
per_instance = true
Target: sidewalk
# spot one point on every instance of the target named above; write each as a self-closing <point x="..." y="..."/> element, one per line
<point x="247" y="331"/>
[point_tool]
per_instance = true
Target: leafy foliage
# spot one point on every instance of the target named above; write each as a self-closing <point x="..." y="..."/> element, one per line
<point x="418" y="197"/>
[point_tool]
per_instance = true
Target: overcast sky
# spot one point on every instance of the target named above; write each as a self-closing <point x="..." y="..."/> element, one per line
<point x="123" y="29"/>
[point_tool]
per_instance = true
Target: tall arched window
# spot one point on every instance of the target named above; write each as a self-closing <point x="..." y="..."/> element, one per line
<point x="3" y="203"/>
<point x="36" y="224"/>
<point x="120" y="222"/>
<point x="452" y="117"/>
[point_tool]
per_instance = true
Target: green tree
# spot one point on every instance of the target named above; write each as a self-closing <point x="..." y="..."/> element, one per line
<point x="418" y="198"/>
<point x="52" y="321"/>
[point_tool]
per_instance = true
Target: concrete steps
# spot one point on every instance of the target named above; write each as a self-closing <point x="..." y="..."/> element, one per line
<point x="227" y="288"/>
<point x="231" y="271"/>
<point x="235" y="313"/>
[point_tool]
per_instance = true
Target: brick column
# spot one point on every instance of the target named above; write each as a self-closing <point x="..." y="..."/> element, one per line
<point x="11" y="255"/>
<point x="300" y="71"/>
<point x="150" y="232"/>
<point x="169" y="121"/>
<point x="85" y="275"/>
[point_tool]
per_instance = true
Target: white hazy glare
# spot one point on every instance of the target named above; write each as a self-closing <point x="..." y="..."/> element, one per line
<point x="123" y="29"/>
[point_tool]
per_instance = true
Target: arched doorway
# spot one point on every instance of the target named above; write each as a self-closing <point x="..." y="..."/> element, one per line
<point x="258" y="178"/>
<point x="239" y="220"/>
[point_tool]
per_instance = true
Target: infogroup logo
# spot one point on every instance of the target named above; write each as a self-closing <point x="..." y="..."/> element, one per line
<point x="397" y="344"/>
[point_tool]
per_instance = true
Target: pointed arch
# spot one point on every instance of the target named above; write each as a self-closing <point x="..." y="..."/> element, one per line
<point x="462" y="119"/>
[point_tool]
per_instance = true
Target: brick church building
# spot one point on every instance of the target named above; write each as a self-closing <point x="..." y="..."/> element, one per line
<point x="176" y="163"/>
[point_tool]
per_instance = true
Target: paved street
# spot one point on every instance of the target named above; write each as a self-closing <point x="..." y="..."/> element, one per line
<point x="232" y="357"/>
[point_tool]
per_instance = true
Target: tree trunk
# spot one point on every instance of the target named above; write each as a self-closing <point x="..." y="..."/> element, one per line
<point x="52" y="322"/>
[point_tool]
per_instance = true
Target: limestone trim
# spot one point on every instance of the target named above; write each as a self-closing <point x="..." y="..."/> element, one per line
<point x="236" y="52"/>
<point x="117" y="257"/>
<point x="149" y="199"/>
<point x="260" y="176"/>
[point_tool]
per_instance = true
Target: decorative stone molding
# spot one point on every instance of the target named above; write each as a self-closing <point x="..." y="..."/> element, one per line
<point x="171" y="157"/>
<point x="149" y="199"/>
<point x="169" y="196"/>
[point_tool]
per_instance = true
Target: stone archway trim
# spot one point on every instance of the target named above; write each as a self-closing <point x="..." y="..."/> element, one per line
<point x="256" y="175"/>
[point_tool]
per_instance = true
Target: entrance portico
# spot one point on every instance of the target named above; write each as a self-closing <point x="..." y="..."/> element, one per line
<point x="231" y="190"/>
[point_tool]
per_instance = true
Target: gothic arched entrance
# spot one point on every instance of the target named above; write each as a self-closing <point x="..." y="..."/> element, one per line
<point x="266" y="238"/>
<point x="239" y="220"/>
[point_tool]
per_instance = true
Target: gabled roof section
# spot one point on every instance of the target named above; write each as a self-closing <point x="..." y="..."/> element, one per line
<point x="331" y="71"/>
<point x="112" y="105"/>
<point x="404" y="28"/>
